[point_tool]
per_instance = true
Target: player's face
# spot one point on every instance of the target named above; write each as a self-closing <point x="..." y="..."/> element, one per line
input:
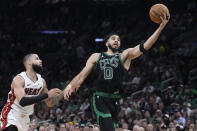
<point x="36" y="60"/>
<point x="113" y="43"/>
<point x="36" y="63"/>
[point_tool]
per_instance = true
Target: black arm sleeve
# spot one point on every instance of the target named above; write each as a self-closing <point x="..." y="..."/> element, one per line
<point x="142" y="48"/>
<point x="31" y="100"/>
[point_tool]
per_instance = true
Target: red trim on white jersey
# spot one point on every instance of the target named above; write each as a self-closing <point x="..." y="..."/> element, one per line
<point x="7" y="109"/>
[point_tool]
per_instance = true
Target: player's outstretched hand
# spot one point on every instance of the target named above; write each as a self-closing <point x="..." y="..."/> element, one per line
<point x="67" y="92"/>
<point x="164" y="20"/>
<point x="54" y="92"/>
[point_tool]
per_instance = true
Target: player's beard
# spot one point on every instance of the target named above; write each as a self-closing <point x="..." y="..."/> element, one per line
<point x="37" y="68"/>
<point x="114" y="50"/>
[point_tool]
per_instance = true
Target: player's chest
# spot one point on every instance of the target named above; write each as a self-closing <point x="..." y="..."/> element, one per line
<point x="33" y="88"/>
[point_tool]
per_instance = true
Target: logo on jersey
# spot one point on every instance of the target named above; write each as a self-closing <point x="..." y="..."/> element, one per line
<point x="32" y="91"/>
<point x="106" y="65"/>
<point x="112" y="62"/>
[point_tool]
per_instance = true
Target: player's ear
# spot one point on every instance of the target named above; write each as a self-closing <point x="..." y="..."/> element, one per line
<point x="107" y="43"/>
<point x="28" y="62"/>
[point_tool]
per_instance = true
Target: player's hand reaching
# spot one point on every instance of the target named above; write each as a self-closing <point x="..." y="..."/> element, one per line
<point x="68" y="91"/>
<point x="54" y="92"/>
<point x="164" y="20"/>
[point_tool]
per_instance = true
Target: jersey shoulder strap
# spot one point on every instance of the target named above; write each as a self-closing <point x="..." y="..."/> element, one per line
<point x="99" y="57"/>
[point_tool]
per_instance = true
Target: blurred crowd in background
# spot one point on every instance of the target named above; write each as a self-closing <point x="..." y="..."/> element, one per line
<point x="160" y="89"/>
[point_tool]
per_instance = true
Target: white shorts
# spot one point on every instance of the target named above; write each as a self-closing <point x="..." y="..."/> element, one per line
<point x="18" y="119"/>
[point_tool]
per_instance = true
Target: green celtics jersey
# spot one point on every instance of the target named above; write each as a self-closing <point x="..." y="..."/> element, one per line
<point x="108" y="73"/>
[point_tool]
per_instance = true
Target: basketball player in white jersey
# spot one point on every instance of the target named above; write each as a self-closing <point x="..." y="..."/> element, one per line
<point x="27" y="88"/>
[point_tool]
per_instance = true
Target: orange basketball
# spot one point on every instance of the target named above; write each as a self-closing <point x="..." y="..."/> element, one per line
<point x="156" y="11"/>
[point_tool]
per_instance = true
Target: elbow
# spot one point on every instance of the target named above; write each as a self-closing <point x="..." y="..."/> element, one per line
<point x="22" y="102"/>
<point x="22" y="105"/>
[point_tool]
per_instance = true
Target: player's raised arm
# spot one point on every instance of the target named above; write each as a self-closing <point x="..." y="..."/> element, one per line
<point x="55" y="95"/>
<point x="79" y="79"/>
<point x="135" y="52"/>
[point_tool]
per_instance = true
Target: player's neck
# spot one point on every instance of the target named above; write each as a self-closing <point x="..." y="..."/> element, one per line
<point x="32" y="75"/>
<point x="109" y="52"/>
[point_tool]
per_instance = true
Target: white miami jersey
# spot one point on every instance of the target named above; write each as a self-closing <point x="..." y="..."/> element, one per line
<point x="31" y="89"/>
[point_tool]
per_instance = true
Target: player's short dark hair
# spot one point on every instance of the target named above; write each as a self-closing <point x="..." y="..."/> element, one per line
<point x="109" y="35"/>
<point x="26" y="57"/>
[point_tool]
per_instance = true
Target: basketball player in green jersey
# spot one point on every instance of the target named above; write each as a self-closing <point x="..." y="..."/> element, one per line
<point x="109" y="68"/>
